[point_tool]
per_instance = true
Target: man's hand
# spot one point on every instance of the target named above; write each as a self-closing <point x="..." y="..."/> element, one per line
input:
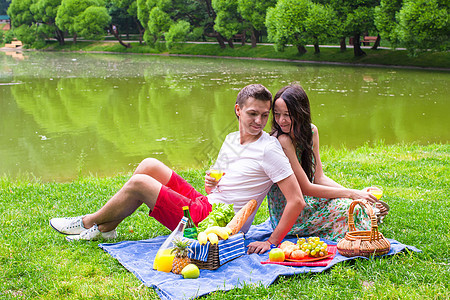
<point x="258" y="247"/>
<point x="210" y="182"/>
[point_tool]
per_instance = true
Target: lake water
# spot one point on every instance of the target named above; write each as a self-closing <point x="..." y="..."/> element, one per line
<point x="65" y="114"/>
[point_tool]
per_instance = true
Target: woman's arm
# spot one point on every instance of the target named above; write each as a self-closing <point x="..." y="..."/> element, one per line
<point x="294" y="206"/>
<point x="315" y="189"/>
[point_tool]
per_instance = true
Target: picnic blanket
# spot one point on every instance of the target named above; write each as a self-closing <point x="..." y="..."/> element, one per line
<point x="138" y="256"/>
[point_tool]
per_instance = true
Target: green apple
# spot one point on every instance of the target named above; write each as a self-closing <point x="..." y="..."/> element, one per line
<point x="276" y="254"/>
<point x="191" y="271"/>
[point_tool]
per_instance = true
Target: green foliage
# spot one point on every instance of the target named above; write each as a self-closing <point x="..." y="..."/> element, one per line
<point x="254" y="11"/>
<point x="143" y="13"/>
<point x="286" y="23"/>
<point x="91" y="23"/>
<point x="26" y="34"/>
<point x="321" y="23"/>
<point x="177" y="33"/>
<point x="424" y="24"/>
<point x="45" y="11"/>
<point x="9" y="36"/>
<point x="228" y="21"/>
<point x="20" y="13"/>
<point x="196" y="34"/>
<point x="360" y="20"/>
<point x="385" y="21"/>
<point x="158" y="23"/>
<point x="87" y="18"/>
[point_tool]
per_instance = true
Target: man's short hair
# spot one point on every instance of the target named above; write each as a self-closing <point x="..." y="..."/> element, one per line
<point x="257" y="91"/>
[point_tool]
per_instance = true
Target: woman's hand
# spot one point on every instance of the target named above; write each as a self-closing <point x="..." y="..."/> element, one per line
<point x="363" y="194"/>
<point x="258" y="247"/>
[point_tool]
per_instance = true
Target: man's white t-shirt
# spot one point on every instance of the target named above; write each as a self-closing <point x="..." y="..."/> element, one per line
<point x="250" y="170"/>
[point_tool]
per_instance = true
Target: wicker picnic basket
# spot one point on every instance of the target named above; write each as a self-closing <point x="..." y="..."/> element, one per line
<point x="212" y="262"/>
<point x="363" y="242"/>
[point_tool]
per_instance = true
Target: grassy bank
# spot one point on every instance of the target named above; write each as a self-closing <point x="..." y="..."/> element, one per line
<point x="439" y="60"/>
<point x="37" y="262"/>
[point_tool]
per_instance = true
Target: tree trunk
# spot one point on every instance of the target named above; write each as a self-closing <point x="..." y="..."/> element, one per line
<point x="140" y="28"/>
<point x="230" y="43"/>
<point x="377" y="43"/>
<point x="74" y="38"/>
<point x="254" y="37"/>
<point x="221" y="40"/>
<point x="343" y="45"/>
<point x="316" y="48"/>
<point x="243" y="38"/>
<point x="59" y="36"/>
<point x="301" y="49"/>
<point x="115" y="32"/>
<point x="357" y="46"/>
<point x="218" y="36"/>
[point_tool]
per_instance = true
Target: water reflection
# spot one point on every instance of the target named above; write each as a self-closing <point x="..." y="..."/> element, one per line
<point x="68" y="113"/>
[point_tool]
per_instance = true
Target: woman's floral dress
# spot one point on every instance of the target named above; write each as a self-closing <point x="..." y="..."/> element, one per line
<point x="325" y="218"/>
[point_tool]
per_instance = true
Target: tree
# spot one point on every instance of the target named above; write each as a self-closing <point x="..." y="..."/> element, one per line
<point x="286" y="24"/>
<point x="22" y="21"/>
<point x="158" y="23"/>
<point x="157" y="17"/>
<point x="177" y="32"/>
<point x="254" y="11"/>
<point x="91" y="23"/>
<point x="70" y="12"/>
<point x="209" y="24"/>
<point x="20" y="13"/>
<point x="355" y="19"/>
<point x="385" y="20"/>
<point x="423" y="24"/>
<point x="359" y="21"/>
<point x="143" y="12"/>
<point x="124" y="15"/>
<point x="45" y="12"/>
<point x="228" y="21"/>
<point x="320" y="24"/>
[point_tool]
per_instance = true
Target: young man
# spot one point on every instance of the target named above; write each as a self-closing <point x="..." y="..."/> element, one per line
<point x="251" y="159"/>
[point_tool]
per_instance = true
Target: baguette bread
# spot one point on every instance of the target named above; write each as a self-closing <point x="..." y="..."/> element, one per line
<point x="242" y="215"/>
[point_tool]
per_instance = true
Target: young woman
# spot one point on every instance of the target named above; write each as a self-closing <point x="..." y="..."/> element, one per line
<point x="327" y="202"/>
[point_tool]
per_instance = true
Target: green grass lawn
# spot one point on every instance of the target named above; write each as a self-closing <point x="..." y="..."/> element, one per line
<point x="37" y="262"/>
<point x="378" y="57"/>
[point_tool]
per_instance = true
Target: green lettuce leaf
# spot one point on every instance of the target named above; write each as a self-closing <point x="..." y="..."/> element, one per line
<point x="220" y="215"/>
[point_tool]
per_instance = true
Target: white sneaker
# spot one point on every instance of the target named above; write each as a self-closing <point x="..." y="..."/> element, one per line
<point x="92" y="234"/>
<point x="72" y="225"/>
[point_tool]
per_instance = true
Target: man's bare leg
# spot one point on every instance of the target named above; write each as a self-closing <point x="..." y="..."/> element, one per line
<point x="142" y="187"/>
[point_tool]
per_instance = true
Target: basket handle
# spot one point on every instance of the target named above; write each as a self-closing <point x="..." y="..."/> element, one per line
<point x="374" y="234"/>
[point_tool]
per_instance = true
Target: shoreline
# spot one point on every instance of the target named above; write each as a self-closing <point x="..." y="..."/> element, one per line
<point x="287" y="60"/>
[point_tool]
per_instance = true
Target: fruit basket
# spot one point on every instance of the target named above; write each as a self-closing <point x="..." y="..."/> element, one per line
<point x="212" y="261"/>
<point x="363" y="242"/>
<point x="212" y="256"/>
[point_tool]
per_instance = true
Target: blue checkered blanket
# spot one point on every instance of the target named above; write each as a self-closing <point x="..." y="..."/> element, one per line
<point x="138" y="256"/>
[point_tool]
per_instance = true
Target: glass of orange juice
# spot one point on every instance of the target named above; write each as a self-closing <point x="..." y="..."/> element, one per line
<point x="164" y="260"/>
<point x="216" y="173"/>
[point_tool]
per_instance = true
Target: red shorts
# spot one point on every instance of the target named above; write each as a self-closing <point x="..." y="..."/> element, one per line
<point x="173" y="196"/>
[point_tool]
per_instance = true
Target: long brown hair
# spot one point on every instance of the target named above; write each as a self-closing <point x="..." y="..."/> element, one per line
<point x="297" y="103"/>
